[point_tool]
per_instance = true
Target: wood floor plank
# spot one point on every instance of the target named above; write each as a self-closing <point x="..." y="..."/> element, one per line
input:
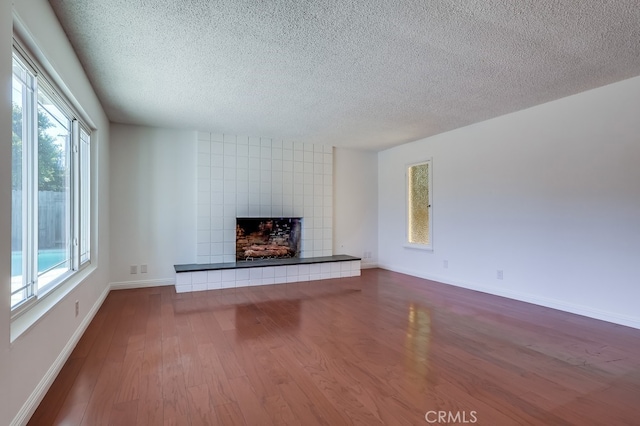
<point x="103" y="396"/>
<point x="129" y="388"/>
<point x="174" y="389"/>
<point x="213" y="372"/>
<point x="382" y="348"/>
<point x="279" y="411"/>
<point x="310" y="404"/>
<point x="70" y="414"/>
<point x="124" y="413"/>
<point x="189" y="356"/>
<point x="330" y="384"/>
<point x="150" y="412"/>
<point x="249" y="403"/>
<point x="151" y="371"/>
<point x="229" y="414"/>
<point x="201" y="410"/>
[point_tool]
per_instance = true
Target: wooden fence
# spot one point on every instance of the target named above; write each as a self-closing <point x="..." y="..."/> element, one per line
<point x="53" y="220"/>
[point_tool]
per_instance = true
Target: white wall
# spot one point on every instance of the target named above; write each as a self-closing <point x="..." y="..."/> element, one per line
<point x="153" y="208"/>
<point x="241" y="176"/>
<point x="160" y="218"/>
<point x="5" y="209"/>
<point x="29" y="364"/>
<point x="356" y="204"/>
<point x="549" y="195"/>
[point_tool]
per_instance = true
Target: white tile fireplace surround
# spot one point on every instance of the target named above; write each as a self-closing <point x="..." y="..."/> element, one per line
<point x="200" y="277"/>
<point x="240" y="176"/>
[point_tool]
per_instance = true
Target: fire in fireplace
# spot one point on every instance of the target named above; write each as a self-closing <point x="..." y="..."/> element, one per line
<point x="267" y="238"/>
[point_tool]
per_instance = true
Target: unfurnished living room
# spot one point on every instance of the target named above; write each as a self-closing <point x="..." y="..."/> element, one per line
<point x="319" y="212"/>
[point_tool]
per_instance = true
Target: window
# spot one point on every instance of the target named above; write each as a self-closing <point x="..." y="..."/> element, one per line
<point x="419" y="218"/>
<point x="50" y="230"/>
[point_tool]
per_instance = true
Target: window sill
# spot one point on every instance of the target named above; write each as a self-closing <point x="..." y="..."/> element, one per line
<point x="423" y="247"/>
<point x="29" y="315"/>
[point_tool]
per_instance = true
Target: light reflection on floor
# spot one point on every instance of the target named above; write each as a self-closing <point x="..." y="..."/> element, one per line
<point x="417" y="341"/>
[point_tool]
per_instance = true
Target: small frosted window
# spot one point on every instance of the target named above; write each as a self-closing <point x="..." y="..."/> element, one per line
<point x="419" y="204"/>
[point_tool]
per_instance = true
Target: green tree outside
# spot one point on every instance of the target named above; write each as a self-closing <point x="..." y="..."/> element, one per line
<point x="51" y="172"/>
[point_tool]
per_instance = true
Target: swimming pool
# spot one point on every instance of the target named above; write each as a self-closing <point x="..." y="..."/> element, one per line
<point x="46" y="259"/>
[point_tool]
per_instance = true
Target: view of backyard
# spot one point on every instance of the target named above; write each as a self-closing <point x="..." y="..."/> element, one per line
<point x="41" y="205"/>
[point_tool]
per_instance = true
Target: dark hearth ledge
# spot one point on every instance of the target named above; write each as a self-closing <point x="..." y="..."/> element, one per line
<point x="195" y="267"/>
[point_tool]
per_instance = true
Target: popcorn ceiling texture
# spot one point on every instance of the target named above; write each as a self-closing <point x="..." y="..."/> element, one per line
<point x="364" y="73"/>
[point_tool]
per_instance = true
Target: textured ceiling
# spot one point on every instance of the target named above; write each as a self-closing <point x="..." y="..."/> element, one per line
<point x="362" y="73"/>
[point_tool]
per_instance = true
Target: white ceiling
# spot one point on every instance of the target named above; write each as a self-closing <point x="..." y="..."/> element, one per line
<point x="362" y="73"/>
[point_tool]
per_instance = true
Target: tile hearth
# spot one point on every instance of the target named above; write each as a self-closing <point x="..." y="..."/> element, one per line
<point x="200" y="277"/>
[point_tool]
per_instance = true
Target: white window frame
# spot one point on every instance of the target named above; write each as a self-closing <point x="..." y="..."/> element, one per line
<point x="79" y="202"/>
<point x="409" y="244"/>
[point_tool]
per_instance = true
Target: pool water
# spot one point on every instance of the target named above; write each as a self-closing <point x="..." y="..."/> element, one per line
<point x="46" y="259"/>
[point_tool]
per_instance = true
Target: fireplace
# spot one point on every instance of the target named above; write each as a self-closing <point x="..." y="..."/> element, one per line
<point x="267" y="238"/>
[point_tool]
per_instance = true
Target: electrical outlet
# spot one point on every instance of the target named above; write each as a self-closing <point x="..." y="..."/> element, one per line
<point x="77" y="307"/>
<point x="499" y="274"/>
<point x="134" y="269"/>
<point x="143" y="269"/>
<point x="445" y="264"/>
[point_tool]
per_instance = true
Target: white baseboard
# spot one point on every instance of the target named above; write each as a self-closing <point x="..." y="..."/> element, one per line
<point x="121" y="285"/>
<point x="31" y="404"/>
<point x="560" y="305"/>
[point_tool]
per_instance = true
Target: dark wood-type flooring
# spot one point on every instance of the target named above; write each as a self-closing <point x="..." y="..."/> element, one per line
<point x="380" y="349"/>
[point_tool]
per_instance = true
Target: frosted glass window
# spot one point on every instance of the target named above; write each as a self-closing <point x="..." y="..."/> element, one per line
<point x="419" y="204"/>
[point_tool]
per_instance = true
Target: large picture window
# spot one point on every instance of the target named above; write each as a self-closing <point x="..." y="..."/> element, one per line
<point x="419" y="218"/>
<point x="50" y="230"/>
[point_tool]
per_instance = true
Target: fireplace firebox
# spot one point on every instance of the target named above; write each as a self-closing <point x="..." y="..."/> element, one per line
<point x="267" y="238"/>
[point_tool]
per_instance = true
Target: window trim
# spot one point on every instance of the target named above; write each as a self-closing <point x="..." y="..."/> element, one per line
<point x="81" y="185"/>
<point x="407" y="244"/>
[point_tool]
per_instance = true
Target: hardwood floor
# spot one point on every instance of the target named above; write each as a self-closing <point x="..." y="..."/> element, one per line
<point x="380" y="349"/>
